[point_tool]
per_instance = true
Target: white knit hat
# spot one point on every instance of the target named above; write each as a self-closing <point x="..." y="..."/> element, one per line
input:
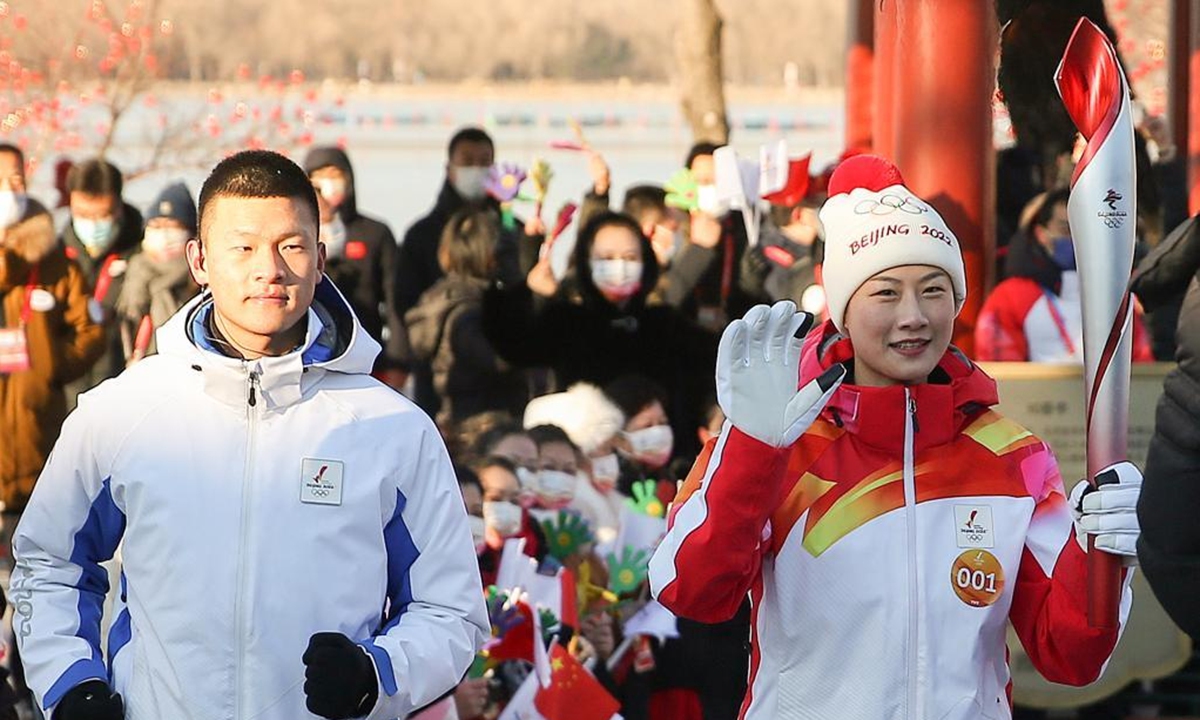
<point x="583" y="412"/>
<point x="873" y="223"/>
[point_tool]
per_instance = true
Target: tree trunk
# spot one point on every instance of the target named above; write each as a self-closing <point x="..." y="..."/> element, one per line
<point x="698" y="52"/>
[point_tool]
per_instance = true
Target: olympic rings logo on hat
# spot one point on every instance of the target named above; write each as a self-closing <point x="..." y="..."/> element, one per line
<point x="888" y="204"/>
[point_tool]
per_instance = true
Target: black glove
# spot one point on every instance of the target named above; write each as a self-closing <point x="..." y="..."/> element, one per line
<point x="91" y="700"/>
<point x="339" y="677"/>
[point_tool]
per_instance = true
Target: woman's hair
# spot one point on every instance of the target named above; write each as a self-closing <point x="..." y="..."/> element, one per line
<point x="495" y="461"/>
<point x="634" y="393"/>
<point x="587" y="238"/>
<point x="480" y="439"/>
<point x="546" y="434"/>
<point x="467" y="477"/>
<point x="468" y="243"/>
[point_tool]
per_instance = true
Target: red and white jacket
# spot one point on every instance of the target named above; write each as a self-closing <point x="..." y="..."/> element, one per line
<point x="1024" y="321"/>
<point x="885" y="553"/>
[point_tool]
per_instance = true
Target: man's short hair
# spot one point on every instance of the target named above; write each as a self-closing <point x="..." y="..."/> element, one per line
<point x="10" y="148"/>
<point x="258" y="174"/>
<point x="469" y="134"/>
<point x="641" y="199"/>
<point x="700" y="148"/>
<point x="96" y="177"/>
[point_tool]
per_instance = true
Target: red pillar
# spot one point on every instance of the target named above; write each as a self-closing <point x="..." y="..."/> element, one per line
<point x="942" y="120"/>
<point x="1180" y="49"/>
<point x="860" y="55"/>
<point x="1192" y="147"/>
<point x="883" y="79"/>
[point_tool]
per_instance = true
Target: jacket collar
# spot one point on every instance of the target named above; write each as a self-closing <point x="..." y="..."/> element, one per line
<point x="334" y="342"/>
<point x="956" y="392"/>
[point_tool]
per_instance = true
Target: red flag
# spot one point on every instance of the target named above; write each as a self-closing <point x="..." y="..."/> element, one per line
<point x="569" y="610"/>
<point x="573" y="693"/>
<point x="515" y="641"/>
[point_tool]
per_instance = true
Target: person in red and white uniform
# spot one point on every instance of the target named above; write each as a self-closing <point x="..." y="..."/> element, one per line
<point x="1036" y="313"/>
<point x="886" y="522"/>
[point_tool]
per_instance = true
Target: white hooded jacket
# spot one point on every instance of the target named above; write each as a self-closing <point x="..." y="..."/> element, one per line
<point x="259" y="502"/>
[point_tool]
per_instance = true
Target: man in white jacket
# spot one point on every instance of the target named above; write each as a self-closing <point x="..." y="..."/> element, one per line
<point x="294" y="543"/>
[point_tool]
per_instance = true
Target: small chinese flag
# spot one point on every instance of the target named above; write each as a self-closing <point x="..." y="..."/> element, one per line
<point x="573" y="693"/>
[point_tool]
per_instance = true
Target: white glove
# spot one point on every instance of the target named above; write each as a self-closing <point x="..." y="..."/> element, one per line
<point x="757" y="373"/>
<point x="1109" y="511"/>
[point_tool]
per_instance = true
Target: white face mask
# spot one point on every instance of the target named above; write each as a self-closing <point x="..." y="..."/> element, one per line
<point x="555" y="489"/>
<point x="605" y="470"/>
<point x="333" y="234"/>
<point x="503" y="517"/>
<point x="12" y="207"/>
<point x="332" y="189"/>
<point x="478" y="530"/>
<point x="164" y="243"/>
<point x="469" y="181"/>
<point x="95" y="235"/>
<point x="707" y="201"/>
<point x="617" y="279"/>
<point x="652" y="446"/>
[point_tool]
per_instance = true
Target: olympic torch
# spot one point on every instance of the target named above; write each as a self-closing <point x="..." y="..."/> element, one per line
<point x="1102" y="211"/>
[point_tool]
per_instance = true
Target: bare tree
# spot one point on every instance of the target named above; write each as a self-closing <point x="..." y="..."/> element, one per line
<point x="702" y="80"/>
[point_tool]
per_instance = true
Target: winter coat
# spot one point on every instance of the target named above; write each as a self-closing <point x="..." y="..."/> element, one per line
<point x="1036" y="314"/>
<point x="1169" y="546"/>
<point x="154" y="290"/>
<point x="596" y="341"/>
<point x="258" y="502"/>
<point x="418" y="269"/>
<point x="365" y="270"/>
<point x="106" y="277"/>
<point x="62" y="340"/>
<point x="445" y="330"/>
<point x="715" y="285"/>
<point x="897" y="539"/>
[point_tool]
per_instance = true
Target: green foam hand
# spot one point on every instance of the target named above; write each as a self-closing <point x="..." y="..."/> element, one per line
<point x="645" y="499"/>
<point x="627" y="573"/>
<point x="550" y="624"/>
<point x="682" y="192"/>
<point x="566" y="534"/>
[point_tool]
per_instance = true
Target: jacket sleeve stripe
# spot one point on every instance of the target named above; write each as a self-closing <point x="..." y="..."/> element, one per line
<point x="686" y="519"/>
<point x="94" y="543"/>
<point x="401" y="554"/>
<point x="713" y="551"/>
<point x="119" y="636"/>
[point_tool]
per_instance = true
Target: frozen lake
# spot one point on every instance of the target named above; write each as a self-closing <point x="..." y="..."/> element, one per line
<point x="397" y="141"/>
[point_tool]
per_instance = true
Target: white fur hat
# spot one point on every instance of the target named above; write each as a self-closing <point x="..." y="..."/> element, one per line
<point x="872" y="223"/>
<point x="583" y="412"/>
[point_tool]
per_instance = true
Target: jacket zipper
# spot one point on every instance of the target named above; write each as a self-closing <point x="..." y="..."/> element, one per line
<point x="910" y="521"/>
<point x="243" y="528"/>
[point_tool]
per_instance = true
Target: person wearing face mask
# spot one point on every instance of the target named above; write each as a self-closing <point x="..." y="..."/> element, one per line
<point x="646" y="442"/>
<point x="557" y="475"/>
<point x="46" y="340"/>
<point x="1036" y="313"/>
<point x="157" y="281"/>
<point x="104" y="233"/>
<point x="612" y="330"/>
<point x="592" y="421"/>
<point x="504" y="517"/>
<point x="361" y="257"/>
<point x="470" y="154"/>
<point x="713" y="277"/>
